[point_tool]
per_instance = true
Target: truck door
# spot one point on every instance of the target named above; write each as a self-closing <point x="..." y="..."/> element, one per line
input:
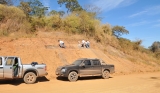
<point x="86" y="70"/>
<point x="8" y="67"/>
<point x="96" y="66"/>
<point x="1" y="68"/>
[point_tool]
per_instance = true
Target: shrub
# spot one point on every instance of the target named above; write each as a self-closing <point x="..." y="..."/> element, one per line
<point x="72" y="24"/>
<point x="54" y="21"/>
<point x="12" y="19"/>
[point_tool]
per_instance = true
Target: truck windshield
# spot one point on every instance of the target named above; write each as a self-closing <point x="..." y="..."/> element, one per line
<point x="77" y="62"/>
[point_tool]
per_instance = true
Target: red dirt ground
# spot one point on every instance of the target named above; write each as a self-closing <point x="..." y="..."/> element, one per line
<point x="44" y="49"/>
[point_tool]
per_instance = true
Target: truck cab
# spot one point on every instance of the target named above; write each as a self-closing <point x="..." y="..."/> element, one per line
<point x="8" y="67"/>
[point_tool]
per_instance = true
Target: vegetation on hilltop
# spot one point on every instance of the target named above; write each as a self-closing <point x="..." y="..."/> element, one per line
<point x="31" y="15"/>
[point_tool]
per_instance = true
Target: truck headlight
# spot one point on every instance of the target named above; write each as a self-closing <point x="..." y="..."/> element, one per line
<point x="63" y="70"/>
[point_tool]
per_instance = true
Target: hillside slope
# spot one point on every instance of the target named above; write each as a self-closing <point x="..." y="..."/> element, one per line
<point x="44" y="49"/>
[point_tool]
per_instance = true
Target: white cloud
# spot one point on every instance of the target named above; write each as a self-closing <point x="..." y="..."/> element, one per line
<point x="154" y="10"/>
<point x="156" y="25"/>
<point x="139" y="23"/>
<point x="138" y="14"/>
<point x="107" y="5"/>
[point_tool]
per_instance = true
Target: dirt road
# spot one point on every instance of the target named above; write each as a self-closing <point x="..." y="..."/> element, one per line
<point x="135" y="83"/>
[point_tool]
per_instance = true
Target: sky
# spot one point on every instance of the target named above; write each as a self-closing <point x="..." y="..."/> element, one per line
<point x="140" y="17"/>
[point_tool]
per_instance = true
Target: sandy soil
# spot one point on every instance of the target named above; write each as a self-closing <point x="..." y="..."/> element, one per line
<point x="135" y="83"/>
<point x="44" y="49"/>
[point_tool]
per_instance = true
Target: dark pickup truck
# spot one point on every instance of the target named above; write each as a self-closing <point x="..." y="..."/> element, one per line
<point x="85" y="67"/>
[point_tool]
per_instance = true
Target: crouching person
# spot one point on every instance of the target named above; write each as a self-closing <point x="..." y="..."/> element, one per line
<point x="88" y="44"/>
<point x="61" y="44"/>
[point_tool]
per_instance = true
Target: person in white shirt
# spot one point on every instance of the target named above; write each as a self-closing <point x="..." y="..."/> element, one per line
<point x="61" y="43"/>
<point x="83" y="43"/>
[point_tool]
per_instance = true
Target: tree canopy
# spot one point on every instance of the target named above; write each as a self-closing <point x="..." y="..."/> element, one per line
<point x="54" y="12"/>
<point x="71" y="5"/>
<point x="155" y="47"/>
<point x="33" y="7"/>
<point x="119" y="31"/>
<point x="6" y="2"/>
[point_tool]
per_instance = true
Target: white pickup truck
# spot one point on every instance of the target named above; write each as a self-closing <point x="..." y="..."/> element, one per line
<point x="11" y="67"/>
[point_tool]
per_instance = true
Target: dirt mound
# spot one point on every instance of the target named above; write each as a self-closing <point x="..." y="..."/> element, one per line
<point x="46" y="50"/>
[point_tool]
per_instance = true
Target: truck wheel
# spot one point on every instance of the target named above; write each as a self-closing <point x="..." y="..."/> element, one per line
<point x="30" y="78"/>
<point x="73" y="76"/>
<point x="105" y="74"/>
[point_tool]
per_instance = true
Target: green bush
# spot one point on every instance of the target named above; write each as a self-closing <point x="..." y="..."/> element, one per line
<point x="38" y="22"/>
<point x="72" y="24"/>
<point x="55" y="22"/>
<point x="12" y="19"/>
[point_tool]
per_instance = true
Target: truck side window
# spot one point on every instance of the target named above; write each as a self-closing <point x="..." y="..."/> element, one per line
<point x="0" y="61"/>
<point x="10" y="61"/>
<point x="96" y="62"/>
<point x="87" y="62"/>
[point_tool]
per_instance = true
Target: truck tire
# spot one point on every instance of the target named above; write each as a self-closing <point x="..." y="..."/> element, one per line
<point x="73" y="76"/>
<point x="105" y="74"/>
<point x="30" y="78"/>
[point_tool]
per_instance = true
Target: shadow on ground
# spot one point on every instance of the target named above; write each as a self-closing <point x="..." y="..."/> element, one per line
<point x="81" y="78"/>
<point x="14" y="82"/>
<point x="154" y="77"/>
<point x="17" y="82"/>
<point x="42" y="79"/>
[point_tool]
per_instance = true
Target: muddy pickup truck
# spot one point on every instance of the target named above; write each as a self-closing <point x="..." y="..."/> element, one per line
<point x="12" y="68"/>
<point x="85" y="67"/>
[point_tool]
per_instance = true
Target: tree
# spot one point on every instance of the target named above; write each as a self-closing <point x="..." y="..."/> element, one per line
<point x="136" y="44"/>
<point x="93" y="10"/>
<point x="25" y="7"/>
<point x="61" y="13"/>
<point x="33" y="8"/>
<point x="71" y="5"/>
<point x="54" y="12"/>
<point x="119" y="31"/>
<point x="6" y="2"/>
<point x="3" y="2"/>
<point x="37" y="8"/>
<point x="155" y="47"/>
<point x="107" y="29"/>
